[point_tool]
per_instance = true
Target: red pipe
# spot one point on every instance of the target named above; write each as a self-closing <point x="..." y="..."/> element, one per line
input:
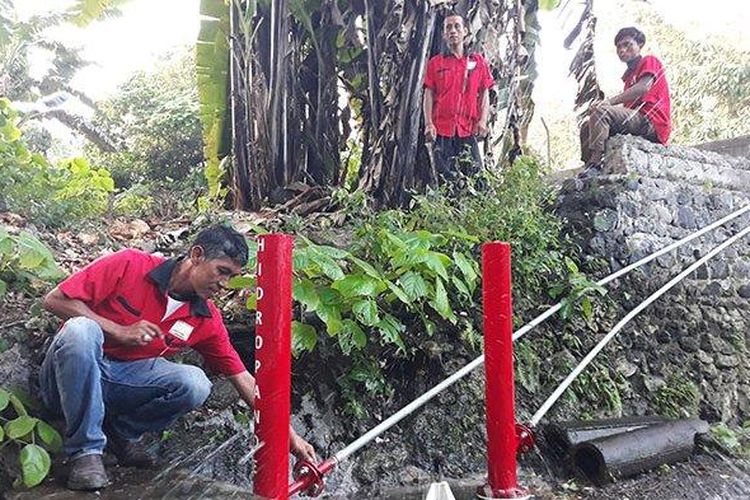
<point x="273" y="365"/>
<point x="502" y="441"/>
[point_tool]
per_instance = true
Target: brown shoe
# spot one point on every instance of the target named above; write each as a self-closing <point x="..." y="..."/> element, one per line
<point x="130" y="453"/>
<point x="87" y="473"/>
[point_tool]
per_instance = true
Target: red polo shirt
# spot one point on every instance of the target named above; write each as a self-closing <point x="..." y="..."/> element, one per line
<point x="129" y="286"/>
<point x="655" y="104"/>
<point x="457" y="84"/>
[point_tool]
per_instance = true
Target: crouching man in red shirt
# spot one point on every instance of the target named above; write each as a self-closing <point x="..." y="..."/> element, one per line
<point x="642" y="108"/>
<point x="106" y="371"/>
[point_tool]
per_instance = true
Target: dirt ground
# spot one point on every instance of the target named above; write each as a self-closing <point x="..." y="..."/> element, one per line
<point x="703" y="477"/>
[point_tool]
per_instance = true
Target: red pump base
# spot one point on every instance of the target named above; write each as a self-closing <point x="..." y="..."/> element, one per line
<point x="486" y="493"/>
<point x="308" y="477"/>
<point x="526" y="442"/>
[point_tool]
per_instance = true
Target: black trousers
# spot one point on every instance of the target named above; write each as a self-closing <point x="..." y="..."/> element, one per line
<point x="456" y="156"/>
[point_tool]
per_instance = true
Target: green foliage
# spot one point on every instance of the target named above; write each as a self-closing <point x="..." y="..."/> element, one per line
<point x="577" y="290"/>
<point x="353" y="295"/>
<point x="678" y="398"/>
<point x="597" y="386"/>
<point x="135" y="200"/>
<point x="406" y="279"/>
<point x="24" y="260"/>
<point x="156" y="112"/>
<point x="212" y="67"/>
<point x="513" y="207"/>
<point x="52" y="195"/>
<point x="734" y="440"/>
<point x="83" y="12"/>
<point x="32" y="437"/>
<point x="527" y="366"/>
<point x="378" y="299"/>
<point x="548" y="4"/>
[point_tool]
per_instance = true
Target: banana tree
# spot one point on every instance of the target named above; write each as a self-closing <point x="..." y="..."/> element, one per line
<point x="304" y="79"/>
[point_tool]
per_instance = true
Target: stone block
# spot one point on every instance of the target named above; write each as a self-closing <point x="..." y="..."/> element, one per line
<point x="727" y="361"/>
<point x="689" y="343"/>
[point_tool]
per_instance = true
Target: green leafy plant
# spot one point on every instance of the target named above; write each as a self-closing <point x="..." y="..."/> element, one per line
<point x="733" y="440"/>
<point x="33" y="438"/>
<point x="512" y="206"/>
<point x="353" y="294"/>
<point x="598" y="386"/>
<point x="51" y="194"/>
<point x="24" y="259"/>
<point x="577" y="291"/>
<point x="380" y="297"/>
<point x="678" y="398"/>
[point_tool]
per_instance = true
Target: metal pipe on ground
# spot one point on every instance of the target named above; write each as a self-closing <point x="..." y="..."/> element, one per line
<point x="627" y="454"/>
<point x="562" y="437"/>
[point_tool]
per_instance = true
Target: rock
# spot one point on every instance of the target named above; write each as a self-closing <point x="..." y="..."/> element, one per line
<point x="719" y="269"/>
<point x="744" y="291"/>
<point x="625" y="367"/>
<point x="686" y="218"/>
<point x="710" y="372"/>
<point x="16" y="370"/>
<point x="727" y="361"/>
<point x="663" y="336"/>
<point x="689" y="343"/>
<point x="605" y="220"/>
<point x="713" y="289"/>
<point x="413" y="475"/>
<point x="129" y="230"/>
<point x="653" y="383"/>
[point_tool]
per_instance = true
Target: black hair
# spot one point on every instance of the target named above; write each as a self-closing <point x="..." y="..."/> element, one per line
<point x="222" y="241"/>
<point x="453" y="13"/>
<point x="631" y="32"/>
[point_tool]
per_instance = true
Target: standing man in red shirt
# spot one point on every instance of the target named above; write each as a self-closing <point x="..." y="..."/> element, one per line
<point x="106" y="371"/>
<point x="642" y="108"/>
<point x="456" y="102"/>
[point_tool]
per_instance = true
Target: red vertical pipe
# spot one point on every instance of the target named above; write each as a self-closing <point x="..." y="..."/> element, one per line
<point x="498" y="367"/>
<point x="273" y="365"/>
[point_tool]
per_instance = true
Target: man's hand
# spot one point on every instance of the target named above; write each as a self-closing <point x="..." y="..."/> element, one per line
<point x="430" y="132"/>
<point x="137" y="334"/>
<point x="481" y="129"/>
<point x="301" y="449"/>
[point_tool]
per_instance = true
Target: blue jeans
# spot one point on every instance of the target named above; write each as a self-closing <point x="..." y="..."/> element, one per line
<point x="141" y="396"/>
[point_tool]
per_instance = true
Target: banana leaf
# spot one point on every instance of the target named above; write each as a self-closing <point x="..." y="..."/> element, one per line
<point x="212" y="70"/>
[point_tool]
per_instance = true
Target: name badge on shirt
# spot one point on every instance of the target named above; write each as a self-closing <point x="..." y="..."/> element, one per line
<point x="181" y="330"/>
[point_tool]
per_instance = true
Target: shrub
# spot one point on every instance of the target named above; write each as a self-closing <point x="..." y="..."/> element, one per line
<point x="53" y="195"/>
<point x="32" y="436"/>
<point x="23" y="260"/>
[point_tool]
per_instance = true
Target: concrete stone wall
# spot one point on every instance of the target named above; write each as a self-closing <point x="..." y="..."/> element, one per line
<point x="648" y="197"/>
<point x="738" y="146"/>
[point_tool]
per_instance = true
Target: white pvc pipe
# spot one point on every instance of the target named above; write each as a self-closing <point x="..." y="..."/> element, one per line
<point x="406" y="410"/>
<point x="552" y="310"/>
<point x="424" y="398"/>
<point x="625" y="320"/>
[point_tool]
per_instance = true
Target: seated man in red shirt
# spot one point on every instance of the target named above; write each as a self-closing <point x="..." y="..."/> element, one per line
<point x="642" y="108"/>
<point x="456" y="102"/>
<point x="106" y="371"/>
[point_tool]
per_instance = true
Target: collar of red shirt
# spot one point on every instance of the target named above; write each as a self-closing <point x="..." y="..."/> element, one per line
<point x="161" y="275"/>
<point x="446" y="52"/>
